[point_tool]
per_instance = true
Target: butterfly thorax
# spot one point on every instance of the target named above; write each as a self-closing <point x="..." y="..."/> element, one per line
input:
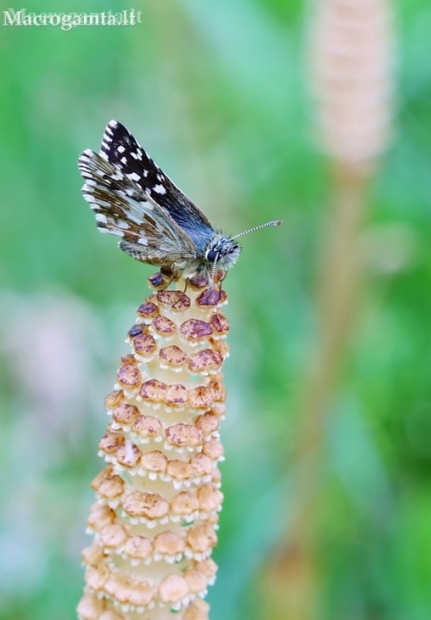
<point x="221" y="253"/>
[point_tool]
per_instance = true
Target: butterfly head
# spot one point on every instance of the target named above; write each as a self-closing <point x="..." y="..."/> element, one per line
<point x="223" y="252"/>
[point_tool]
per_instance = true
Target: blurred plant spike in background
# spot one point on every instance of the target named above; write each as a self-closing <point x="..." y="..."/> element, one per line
<point x="155" y="518"/>
<point x="351" y="52"/>
<point x="351" y="74"/>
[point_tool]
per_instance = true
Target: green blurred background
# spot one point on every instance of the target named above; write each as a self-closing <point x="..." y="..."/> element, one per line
<point x="217" y="93"/>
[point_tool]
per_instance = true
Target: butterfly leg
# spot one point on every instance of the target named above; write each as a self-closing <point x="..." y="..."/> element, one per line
<point x="169" y="274"/>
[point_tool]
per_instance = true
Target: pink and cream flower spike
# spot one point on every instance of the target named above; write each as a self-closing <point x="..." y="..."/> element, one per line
<point x="155" y="517"/>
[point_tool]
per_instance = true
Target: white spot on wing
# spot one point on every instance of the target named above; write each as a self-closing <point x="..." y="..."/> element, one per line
<point x="100" y="217"/>
<point x="121" y="149"/>
<point x="159" y="189"/>
<point x="133" y="176"/>
<point x="143" y="241"/>
<point x="135" y="218"/>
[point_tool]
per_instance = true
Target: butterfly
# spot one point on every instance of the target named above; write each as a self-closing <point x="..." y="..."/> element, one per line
<point x="157" y="223"/>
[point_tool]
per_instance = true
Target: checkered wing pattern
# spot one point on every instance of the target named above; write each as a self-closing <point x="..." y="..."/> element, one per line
<point x="123" y="208"/>
<point x="120" y="148"/>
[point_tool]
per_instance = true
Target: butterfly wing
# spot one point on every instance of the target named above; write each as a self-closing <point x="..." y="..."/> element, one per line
<point x="120" y="148"/>
<point x="123" y="209"/>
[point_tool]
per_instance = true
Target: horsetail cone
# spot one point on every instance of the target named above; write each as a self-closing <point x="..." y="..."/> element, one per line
<point x="154" y="521"/>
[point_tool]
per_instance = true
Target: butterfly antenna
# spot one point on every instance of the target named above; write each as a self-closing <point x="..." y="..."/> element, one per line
<point x="273" y="223"/>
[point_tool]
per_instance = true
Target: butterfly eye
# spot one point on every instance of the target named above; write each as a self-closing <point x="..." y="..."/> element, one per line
<point x="212" y="256"/>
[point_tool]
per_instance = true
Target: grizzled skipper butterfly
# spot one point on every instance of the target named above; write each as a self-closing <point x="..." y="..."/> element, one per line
<point x="158" y="224"/>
